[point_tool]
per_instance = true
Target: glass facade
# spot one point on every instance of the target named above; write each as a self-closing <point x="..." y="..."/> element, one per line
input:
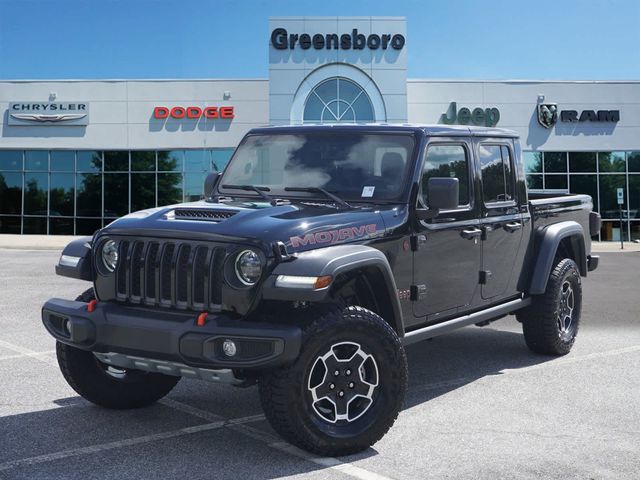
<point x="598" y="174"/>
<point x="69" y="192"/>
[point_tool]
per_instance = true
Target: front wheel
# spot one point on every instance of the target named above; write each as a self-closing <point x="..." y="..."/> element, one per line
<point x="108" y="386"/>
<point x="550" y="324"/>
<point x="346" y="388"/>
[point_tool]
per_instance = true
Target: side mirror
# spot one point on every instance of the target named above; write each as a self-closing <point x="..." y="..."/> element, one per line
<point x="210" y="183"/>
<point x="443" y="193"/>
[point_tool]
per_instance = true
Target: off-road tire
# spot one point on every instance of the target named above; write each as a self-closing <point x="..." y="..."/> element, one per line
<point x="540" y="321"/>
<point x="93" y="381"/>
<point x="288" y="403"/>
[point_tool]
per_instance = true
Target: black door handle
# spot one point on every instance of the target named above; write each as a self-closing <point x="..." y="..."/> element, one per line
<point x="513" y="226"/>
<point x="471" y="233"/>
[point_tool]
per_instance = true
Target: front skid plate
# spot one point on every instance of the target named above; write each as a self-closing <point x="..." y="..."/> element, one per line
<point x="120" y="360"/>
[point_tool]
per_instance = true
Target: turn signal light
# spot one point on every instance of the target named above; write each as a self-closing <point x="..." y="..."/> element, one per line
<point x="306" y="283"/>
<point x="322" y="282"/>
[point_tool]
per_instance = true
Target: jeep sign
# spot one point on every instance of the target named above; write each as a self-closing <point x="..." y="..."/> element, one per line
<point x="478" y="116"/>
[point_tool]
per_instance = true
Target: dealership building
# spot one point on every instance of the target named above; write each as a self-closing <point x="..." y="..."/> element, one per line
<point x="76" y="154"/>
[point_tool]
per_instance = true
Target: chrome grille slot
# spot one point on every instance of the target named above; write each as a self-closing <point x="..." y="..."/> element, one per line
<point x="151" y="271"/>
<point x="165" y="273"/>
<point x="217" y="275"/>
<point x="183" y="279"/>
<point x="121" y="270"/>
<point x="137" y="270"/>
<point x="200" y="275"/>
<point x="177" y="274"/>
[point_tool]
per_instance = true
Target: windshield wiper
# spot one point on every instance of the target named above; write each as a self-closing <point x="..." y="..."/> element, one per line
<point x="252" y="188"/>
<point x="330" y="195"/>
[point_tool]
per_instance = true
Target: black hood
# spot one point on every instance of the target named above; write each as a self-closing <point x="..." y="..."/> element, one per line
<point x="300" y="226"/>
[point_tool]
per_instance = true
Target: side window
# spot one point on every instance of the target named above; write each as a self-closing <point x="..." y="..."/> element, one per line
<point x="447" y="161"/>
<point x="497" y="173"/>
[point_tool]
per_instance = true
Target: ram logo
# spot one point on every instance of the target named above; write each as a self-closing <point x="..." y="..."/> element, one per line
<point x="547" y="114"/>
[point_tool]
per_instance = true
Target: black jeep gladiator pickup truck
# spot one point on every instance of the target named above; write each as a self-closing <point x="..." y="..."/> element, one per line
<point x="315" y="257"/>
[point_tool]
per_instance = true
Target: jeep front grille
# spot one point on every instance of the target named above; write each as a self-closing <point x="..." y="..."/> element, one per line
<point x="177" y="274"/>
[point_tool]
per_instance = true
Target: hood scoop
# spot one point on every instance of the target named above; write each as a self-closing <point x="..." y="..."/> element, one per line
<point x="200" y="214"/>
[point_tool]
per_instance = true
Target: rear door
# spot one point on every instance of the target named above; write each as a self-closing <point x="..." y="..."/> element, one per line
<point x="447" y="258"/>
<point x="501" y="220"/>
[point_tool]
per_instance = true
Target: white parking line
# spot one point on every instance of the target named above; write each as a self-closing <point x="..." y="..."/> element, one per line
<point x="329" y="462"/>
<point x="23" y="355"/>
<point x="239" y="425"/>
<point x="277" y="443"/>
<point x="26" y="352"/>
<point x="74" y="452"/>
<point x="552" y="363"/>
<point x="578" y="358"/>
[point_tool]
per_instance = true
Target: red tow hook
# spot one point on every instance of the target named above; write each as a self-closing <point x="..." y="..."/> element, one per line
<point x="202" y="319"/>
<point x="91" y="306"/>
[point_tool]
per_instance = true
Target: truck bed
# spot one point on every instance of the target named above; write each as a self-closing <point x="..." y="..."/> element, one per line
<point x="546" y="210"/>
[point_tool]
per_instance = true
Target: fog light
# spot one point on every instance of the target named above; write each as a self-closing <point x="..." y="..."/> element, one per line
<point x="67" y="327"/>
<point x="229" y="348"/>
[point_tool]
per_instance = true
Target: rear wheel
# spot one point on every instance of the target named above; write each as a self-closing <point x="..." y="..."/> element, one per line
<point x="550" y="324"/>
<point x="346" y="388"/>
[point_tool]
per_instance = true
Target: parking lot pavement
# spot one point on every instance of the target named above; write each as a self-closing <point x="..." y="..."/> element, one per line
<point x="479" y="404"/>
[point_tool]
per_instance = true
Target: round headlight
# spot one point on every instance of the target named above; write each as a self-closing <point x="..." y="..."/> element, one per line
<point x="110" y="255"/>
<point x="248" y="267"/>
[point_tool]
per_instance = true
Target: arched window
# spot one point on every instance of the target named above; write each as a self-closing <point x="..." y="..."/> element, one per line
<point x="338" y="100"/>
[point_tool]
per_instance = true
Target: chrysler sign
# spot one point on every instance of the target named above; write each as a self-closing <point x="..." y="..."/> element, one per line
<point x="48" y="113"/>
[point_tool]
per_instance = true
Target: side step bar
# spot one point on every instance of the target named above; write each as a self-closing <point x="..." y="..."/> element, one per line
<point x="455" y="323"/>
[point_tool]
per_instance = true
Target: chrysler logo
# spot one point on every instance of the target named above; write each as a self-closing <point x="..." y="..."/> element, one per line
<point x="34" y="117"/>
<point x="54" y="113"/>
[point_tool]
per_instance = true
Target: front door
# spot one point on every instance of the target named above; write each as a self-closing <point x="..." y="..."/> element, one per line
<point x="447" y="258"/>
<point x="501" y="221"/>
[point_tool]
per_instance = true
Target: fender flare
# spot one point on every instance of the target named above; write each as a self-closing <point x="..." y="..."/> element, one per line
<point x="547" y="243"/>
<point x="79" y="252"/>
<point x="333" y="261"/>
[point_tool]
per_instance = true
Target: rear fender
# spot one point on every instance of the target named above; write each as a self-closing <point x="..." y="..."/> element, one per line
<point x="548" y="241"/>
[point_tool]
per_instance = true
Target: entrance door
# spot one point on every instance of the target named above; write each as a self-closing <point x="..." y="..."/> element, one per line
<point x="501" y="220"/>
<point x="447" y="260"/>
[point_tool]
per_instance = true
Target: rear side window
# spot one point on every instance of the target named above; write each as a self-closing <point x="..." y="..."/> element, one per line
<point x="497" y="173"/>
<point x="447" y="161"/>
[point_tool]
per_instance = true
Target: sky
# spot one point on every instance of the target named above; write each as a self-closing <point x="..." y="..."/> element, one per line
<point x="446" y="39"/>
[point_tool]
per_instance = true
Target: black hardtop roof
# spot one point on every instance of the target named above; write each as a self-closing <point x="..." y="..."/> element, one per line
<point x="431" y="130"/>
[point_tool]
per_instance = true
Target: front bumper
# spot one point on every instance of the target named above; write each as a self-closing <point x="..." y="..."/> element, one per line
<point x="592" y="262"/>
<point x="169" y="335"/>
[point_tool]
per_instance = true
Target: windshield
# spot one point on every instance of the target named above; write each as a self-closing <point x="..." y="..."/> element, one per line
<point x="357" y="167"/>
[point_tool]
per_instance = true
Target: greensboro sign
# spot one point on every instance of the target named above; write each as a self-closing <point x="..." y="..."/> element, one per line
<point x="283" y="40"/>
